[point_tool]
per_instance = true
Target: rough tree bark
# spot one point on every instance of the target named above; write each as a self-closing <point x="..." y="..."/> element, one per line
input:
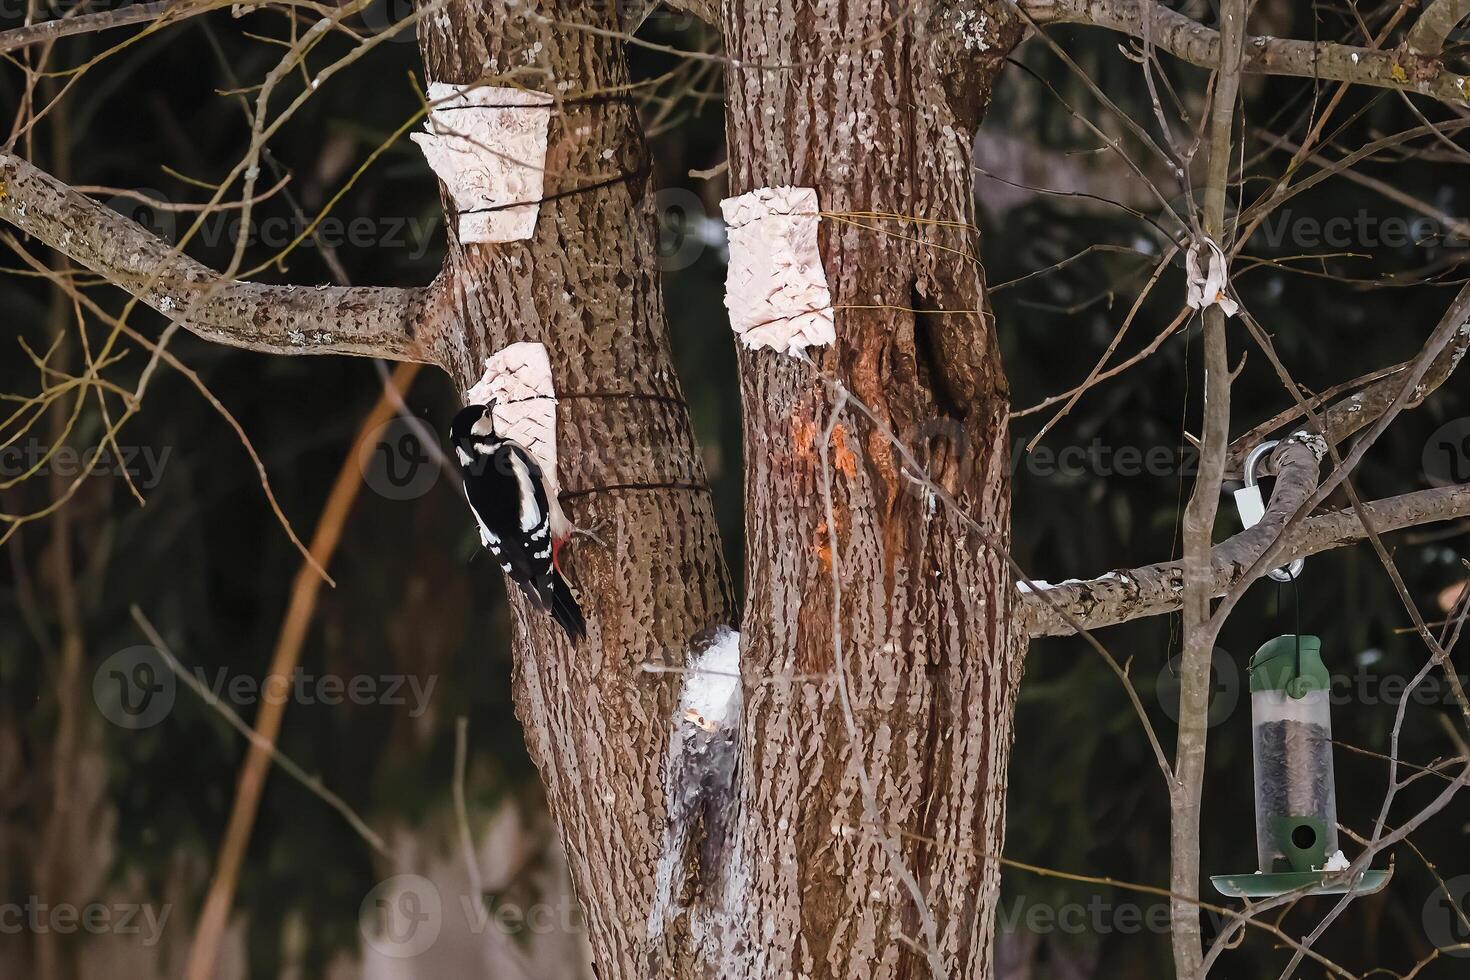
<point x="877" y="113"/>
<point x="587" y="285"/>
<point x="933" y="651"/>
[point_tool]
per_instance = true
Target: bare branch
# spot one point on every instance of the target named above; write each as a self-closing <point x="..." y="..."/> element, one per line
<point x="136" y="13"/>
<point x="312" y="783"/>
<point x="396" y="324"/>
<point x="265" y="731"/>
<point x="1155" y="589"/>
<point x="1200" y="628"/>
<point x="1346" y="417"/>
<point x="1428" y="34"/>
<point x="1409" y="71"/>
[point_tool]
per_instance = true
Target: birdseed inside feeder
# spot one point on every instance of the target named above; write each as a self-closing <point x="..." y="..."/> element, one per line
<point x="1296" y="804"/>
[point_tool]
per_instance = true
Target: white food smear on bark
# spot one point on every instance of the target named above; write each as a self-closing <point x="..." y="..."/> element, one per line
<point x="518" y="379"/>
<point x="700" y="766"/>
<point x="776" y="289"/>
<point x="488" y="145"/>
<point x="711" y="694"/>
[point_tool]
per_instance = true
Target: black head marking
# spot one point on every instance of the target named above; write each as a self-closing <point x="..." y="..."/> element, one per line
<point x="464" y="427"/>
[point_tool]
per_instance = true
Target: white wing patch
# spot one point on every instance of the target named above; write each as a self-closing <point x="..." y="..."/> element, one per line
<point x="464" y="457"/>
<point x="531" y="516"/>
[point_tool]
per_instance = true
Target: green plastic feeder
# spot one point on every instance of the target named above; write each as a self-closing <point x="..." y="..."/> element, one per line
<point x="1296" y="804"/>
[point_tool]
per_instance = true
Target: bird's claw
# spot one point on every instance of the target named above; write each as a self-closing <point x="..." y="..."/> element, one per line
<point x="588" y="532"/>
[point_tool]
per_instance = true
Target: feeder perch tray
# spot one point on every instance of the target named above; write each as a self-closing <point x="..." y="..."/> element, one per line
<point x="1257" y="885"/>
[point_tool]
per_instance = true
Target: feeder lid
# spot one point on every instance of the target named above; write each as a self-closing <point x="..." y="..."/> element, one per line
<point x="1292" y="664"/>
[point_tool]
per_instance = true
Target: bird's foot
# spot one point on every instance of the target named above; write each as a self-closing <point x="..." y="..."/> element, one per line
<point x="587" y="532"/>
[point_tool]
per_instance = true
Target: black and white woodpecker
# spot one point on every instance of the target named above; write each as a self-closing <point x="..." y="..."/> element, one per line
<point x="520" y="518"/>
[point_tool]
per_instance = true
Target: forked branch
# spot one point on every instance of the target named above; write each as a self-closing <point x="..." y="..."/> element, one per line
<point x="396" y="324"/>
<point x="1123" y="596"/>
<point x="1370" y="398"/>
<point x="1156" y="589"/>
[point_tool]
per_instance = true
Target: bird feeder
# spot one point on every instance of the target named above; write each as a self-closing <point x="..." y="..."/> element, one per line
<point x="1296" y="801"/>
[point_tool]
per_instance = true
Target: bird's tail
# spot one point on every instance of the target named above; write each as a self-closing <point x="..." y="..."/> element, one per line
<point x="564" y="608"/>
<point x="550" y="593"/>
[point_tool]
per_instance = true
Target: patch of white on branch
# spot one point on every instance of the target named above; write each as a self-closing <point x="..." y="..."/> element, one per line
<point x="1313" y="441"/>
<point x="698" y="773"/>
<point x="1025" y="588"/>
<point x="776" y="289"/>
<point x="1211" y="287"/>
<point x="488" y="145"/>
<point x="518" y="379"/>
<point x="1461" y="345"/>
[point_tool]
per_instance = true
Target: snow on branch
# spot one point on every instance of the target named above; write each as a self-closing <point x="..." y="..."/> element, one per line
<point x="488" y="145"/>
<point x="518" y="380"/>
<point x="397" y="324"/>
<point x="1119" y="597"/>
<point x="776" y="289"/>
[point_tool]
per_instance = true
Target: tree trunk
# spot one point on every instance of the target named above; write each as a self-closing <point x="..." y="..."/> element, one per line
<point x="878" y="115"/>
<point x="587" y="285"/>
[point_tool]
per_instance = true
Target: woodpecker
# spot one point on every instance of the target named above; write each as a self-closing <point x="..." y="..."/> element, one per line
<point x="520" y="519"/>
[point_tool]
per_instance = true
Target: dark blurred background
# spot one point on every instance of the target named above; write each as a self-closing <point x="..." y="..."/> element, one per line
<point x="211" y="567"/>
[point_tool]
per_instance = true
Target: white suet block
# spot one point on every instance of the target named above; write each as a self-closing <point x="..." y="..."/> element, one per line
<point x="488" y="145"/>
<point x="518" y="379"/>
<point x="776" y="289"/>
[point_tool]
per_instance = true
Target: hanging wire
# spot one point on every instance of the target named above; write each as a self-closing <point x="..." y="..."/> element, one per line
<point x="1296" y="598"/>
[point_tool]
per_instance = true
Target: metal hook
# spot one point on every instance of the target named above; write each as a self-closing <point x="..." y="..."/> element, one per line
<point x="1289" y="572"/>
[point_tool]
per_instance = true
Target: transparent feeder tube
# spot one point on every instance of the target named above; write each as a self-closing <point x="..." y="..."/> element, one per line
<point x="1296" y="805"/>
